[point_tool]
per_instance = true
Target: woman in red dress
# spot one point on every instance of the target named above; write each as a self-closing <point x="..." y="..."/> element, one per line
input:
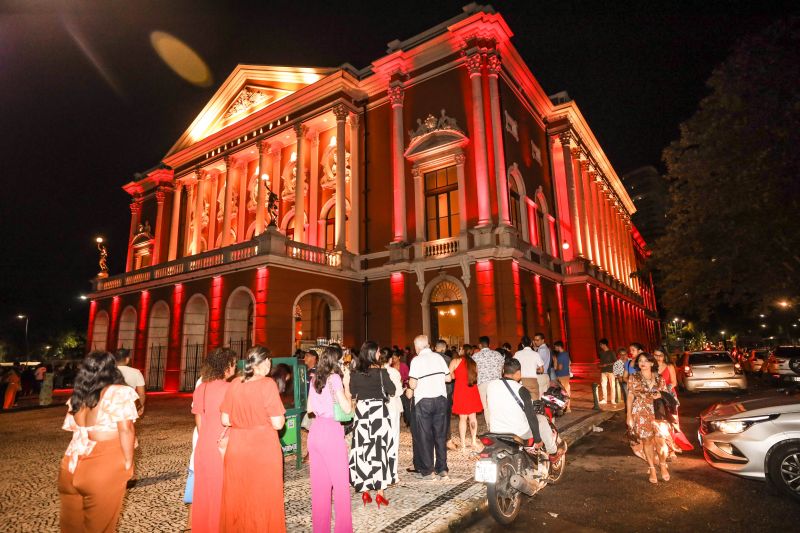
<point x="252" y="485"/>
<point x="217" y="368"/>
<point x="466" y="400"/>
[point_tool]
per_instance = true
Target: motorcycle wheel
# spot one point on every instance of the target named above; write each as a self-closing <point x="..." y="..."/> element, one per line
<point x="557" y="468"/>
<point x="504" y="500"/>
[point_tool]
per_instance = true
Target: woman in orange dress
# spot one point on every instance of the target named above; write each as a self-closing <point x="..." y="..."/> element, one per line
<point x="207" y="398"/>
<point x="13" y="381"/>
<point x="252" y="485"/>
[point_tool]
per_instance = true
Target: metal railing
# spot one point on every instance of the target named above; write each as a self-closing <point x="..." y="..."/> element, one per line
<point x="193" y="355"/>
<point x="158" y="365"/>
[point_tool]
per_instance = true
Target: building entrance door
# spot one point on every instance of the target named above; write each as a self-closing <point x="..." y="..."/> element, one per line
<point x="447" y="322"/>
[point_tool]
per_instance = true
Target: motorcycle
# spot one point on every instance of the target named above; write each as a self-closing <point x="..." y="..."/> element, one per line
<point x="510" y="468"/>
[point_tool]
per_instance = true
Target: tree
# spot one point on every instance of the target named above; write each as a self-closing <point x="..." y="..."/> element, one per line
<point x="732" y="241"/>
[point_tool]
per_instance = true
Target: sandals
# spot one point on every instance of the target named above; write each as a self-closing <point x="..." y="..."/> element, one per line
<point x="664" y="468"/>
<point x="653" y="478"/>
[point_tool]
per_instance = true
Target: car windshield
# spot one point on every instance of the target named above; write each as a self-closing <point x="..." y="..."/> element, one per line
<point x="787" y="351"/>
<point x="709" y="358"/>
<point x="761" y="354"/>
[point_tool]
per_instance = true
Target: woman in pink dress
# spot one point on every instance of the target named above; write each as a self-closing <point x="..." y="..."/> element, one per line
<point x="218" y="367"/>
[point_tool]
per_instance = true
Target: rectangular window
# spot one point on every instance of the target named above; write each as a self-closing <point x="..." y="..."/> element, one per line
<point x="441" y="203"/>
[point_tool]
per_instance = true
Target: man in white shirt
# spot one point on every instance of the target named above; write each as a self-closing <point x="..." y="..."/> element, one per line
<point x="547" y="360"/>
<point x="512" y="411"/>
<point x="532" y="367"/>
<point x="490" y="367"/>
<point x="133" y="377"/>
<point x="427" y="377"/>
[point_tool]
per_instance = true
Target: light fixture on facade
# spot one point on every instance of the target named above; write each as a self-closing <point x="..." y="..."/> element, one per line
<point x="333" y="141"/>
<point x="293" y="157"/>
<point x="98" y="240"/>
<point x="83" y="297"/>
<point x="565" y="245"/>
<point x="784" y="304"/>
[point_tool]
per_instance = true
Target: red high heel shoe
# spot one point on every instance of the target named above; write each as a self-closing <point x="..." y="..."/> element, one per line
<point x="381" y="500"/>
<point x="366" y="498"/>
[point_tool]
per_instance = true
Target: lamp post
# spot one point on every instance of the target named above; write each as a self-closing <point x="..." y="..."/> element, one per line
<point x="26" y="319"/>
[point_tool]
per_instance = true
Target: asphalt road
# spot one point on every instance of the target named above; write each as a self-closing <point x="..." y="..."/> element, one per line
<point x="605" y="488"/>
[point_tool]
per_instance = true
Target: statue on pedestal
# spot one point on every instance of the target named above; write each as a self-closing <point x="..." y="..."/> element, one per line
<point x="103" y="261"/>
<point x="272" y="208"/>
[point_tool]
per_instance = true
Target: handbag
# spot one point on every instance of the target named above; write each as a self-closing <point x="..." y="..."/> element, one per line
<point x="339" y="414"/>
<point x="383" y="391"/>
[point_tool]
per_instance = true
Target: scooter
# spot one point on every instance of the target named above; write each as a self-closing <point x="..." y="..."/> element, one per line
<point x="510" y="469"/>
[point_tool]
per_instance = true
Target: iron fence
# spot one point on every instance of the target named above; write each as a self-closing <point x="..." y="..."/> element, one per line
<point x="193" y="360"/>
<point x="158" y="364"/>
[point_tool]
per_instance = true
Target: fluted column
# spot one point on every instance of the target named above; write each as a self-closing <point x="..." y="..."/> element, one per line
<point x="583" y="205"/>
<point x="158" y="230"/>
<point x="572" y="193"/>
<point x="493" y="69"/>
<point x="228" y="204"/>
<point x="313" y="191"/>
<point x="340" y="112"/>
<point x="190" y="184"/>
<point x="212" y="212"/>
<point x="241" y="227"/>
<point x="596" y="230"/>
<point x="198" y="212"/>
<point x="474" y="63"/>
<point x="261" y="198"/>
<point x="299" y="190"/>
<point x="176" y="217"/>
<point x="399" y="225"/>
<point x="275" y="151"/>
<point x="419" y="205"/>
<point x="355" y="186"/>
<point x="136" y="209"/>
<point x="462" y="194"/>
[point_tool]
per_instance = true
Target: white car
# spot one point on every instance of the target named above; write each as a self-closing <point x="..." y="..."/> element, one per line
<point x="757" y="438"/>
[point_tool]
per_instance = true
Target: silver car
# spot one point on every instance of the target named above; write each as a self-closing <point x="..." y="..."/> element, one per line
<point x="710" y="370"/>
<point x="757" y="438"/>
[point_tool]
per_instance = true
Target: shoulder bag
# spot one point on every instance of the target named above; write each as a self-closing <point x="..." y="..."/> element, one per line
<point x="339" y="414"/>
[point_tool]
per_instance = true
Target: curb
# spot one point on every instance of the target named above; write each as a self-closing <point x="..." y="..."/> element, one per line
<point x="476" y="508"/>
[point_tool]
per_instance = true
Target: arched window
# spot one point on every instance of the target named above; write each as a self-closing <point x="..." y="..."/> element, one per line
<point x="514" y="205"/>
<point x="441" y="203"/>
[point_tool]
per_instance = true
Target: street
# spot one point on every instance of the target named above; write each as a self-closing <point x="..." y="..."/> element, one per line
<point x="605" y="488"/>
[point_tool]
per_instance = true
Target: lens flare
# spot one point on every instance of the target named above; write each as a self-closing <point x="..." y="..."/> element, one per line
<point x="178" y="56"/>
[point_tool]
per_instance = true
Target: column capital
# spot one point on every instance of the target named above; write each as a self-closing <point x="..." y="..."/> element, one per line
<point x="493" y="64"/>
<point x="274" y="148"/>
<point x="176" y="185"/>
<point x="586" y="164"/>
<point x="136" y="206"/>
<point x="340" y="111"/>
<point x="262" y="146"/>
<point x="314" y="138"/>
<point x="395" y="93"/>
<point x="460" y="159"/>
<point x="355" y="118"/>
<point x="160" y="195"/>
<point x="474" y="62"/>
<point x="415" y="171"/>
<point x="300" y="130"/>
<point x="565" y="138"/>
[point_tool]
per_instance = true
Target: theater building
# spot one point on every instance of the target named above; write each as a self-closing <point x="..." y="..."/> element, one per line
<point x="437" y="190"/>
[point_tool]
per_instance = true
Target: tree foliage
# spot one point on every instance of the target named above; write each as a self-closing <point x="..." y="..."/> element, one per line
<point x="732" y="238"/>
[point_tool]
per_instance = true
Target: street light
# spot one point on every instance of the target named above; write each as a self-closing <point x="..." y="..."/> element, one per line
<point x="83" y="297"/>
<point x="25" y="318"/>
<point x="784" y="304"/>
<point x="761" y="315"/>
<point x="763" y="325"/>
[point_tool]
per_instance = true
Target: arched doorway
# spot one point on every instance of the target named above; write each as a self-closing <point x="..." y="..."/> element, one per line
<point x="195" y="326"/>
<point x="157" y="341"/>
<point x="317" y="314"/>
<point x="239" y="321"/>
<point x="127" y="329"/>
<point x="445" y="311"/>
<point x="100" y="332"/>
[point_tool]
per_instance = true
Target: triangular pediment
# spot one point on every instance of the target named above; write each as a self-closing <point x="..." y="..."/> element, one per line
<point x="248" y="90"/>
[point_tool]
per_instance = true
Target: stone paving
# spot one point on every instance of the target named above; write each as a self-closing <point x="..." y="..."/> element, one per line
<point x="32" y="443"/>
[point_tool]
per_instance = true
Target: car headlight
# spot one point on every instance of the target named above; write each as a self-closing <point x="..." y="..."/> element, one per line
<point x="738" y="425"/>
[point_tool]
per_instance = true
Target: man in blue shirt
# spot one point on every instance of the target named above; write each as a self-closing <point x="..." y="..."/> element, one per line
<point x="562" y="364"/>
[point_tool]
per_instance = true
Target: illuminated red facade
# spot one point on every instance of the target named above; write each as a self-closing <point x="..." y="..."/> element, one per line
<point x="438" y="190"/>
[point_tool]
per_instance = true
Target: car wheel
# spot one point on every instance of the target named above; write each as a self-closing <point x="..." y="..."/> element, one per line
<point x="784" y="469"/>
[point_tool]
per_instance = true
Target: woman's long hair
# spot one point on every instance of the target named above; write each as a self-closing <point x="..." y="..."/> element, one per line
<point x="216" y="364"/>
<point x="98" y="370"/>
<point x="367" y="356"/>
<point x="327" y="365"/>
<point x="472" y="367"/>
<point x="257" y="355"/>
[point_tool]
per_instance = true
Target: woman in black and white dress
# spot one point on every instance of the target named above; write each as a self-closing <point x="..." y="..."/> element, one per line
<point x="373" y="456"/>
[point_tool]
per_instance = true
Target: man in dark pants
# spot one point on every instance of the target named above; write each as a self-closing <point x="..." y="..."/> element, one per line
<point x="427" y="378"/>
<point x="441" y="349"/>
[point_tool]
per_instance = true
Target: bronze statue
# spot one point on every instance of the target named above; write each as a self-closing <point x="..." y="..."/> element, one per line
<point x="103" y="261"/>
<point x="272" y="208"/>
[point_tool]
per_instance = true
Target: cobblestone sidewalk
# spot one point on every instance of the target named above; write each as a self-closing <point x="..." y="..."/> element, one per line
<point x="32" y="444"/>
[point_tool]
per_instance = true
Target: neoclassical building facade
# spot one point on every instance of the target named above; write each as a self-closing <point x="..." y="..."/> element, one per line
<point x="437" y="190"/>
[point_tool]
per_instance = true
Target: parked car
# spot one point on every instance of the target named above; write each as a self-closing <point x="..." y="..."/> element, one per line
<point x="757" y="438"/>
<point x="754" y="359"/>
<point x="710" y="370"/>
<point x="785" y="363"/>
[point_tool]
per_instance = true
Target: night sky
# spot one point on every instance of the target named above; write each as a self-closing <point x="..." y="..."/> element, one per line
<point x="85" y="102"/>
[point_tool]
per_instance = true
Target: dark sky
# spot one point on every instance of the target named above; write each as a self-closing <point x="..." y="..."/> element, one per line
<point x="85" y="102"/>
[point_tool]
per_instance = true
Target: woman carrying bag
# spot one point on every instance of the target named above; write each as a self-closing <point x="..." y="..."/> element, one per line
<point x="327" y="449"/>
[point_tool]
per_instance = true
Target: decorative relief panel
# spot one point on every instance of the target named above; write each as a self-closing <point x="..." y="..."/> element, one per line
<point x="329" y="162"/>
<point x="432" y="124"/>
<point x="536" y="153"/>
<point x="511" y="126"/>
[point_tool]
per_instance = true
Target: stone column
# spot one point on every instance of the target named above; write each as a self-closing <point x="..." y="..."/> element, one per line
<point x="341" y="112"/>
<point x="462" y="194"/>
<point x="595" y="219"/>
<point x="601" y="207"/>
<point x="474" y="63"/>
<point x="275" y="150"/>
<point x="136" y="209"/>
<point x="190" y="185"/>
<point x="419" y="205"/>
<point x="212" y="212"/>
<point x="395" y="94"/>
<point x="158" y="230"/>
<point x="261" y="198"/>
<point x="493" y="69"/>
<point x="241" y="228"/>
<point x="198" y="212"/>
<point x="176" y="217"/>
<point x="228" y="207"/>
<point x="299" y="190"/>
<point x="313" y="191"/>
<point x="620" y="247"/>
<point x="565" y="139"/>
<point x="355" y="186"/>
<point x="580" y="166"/>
